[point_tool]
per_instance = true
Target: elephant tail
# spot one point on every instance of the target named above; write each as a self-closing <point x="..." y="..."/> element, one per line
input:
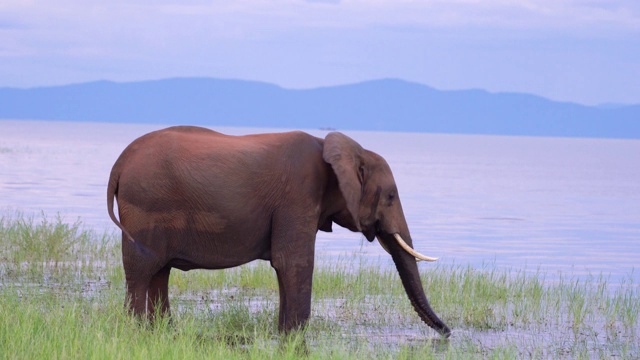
<point x="112" y="192"/>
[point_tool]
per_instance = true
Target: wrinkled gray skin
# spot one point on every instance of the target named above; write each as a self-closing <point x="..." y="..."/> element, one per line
<point x="191" y="198"/>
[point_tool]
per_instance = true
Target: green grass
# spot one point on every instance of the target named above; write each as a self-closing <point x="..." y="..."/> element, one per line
<point x="62" y="292"/>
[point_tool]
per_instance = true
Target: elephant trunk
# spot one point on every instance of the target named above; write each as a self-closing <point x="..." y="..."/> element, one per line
<point x="408" y="271"/>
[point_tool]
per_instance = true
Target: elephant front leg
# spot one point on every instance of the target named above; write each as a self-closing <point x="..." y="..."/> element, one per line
<point x="293" y="237"/>
<point x="295" y="283"/>
<point x="294" y="267"/>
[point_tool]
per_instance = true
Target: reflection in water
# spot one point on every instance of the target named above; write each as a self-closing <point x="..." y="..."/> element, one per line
<point x="558" y="205"/>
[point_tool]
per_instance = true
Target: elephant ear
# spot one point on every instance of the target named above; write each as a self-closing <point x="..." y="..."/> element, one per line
<point x="345" y="157"/>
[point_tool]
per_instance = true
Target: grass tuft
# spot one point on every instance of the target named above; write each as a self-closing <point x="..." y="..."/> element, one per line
<point x="62" y="289"/>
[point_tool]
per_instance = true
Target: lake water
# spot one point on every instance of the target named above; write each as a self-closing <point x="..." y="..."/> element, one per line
<point x="564" y="206"/>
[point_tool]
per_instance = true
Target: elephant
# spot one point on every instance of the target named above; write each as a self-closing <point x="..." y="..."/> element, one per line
<point x="192" y="198"/>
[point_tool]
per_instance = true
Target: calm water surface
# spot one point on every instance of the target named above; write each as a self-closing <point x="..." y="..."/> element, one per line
<point x="569" y="206"/>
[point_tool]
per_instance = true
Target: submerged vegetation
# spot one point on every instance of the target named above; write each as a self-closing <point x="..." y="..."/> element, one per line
<point x="62" y="288"/>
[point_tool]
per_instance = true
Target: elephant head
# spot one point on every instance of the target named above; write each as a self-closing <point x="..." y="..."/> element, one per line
<point x="373" y="207"/>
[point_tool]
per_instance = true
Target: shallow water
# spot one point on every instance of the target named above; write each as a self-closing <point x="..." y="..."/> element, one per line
<point x="569" y="206"/>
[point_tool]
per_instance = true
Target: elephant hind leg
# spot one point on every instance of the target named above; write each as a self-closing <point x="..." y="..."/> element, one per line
<point x="140" y="268"/>
<point x="136" y="298"/>
<point x="158" y="294"/>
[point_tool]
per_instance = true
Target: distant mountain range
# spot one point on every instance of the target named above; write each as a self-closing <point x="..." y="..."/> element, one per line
<point x="387" y="105"/>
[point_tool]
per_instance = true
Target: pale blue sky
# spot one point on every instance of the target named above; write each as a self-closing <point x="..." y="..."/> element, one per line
<point x="570" y="50"/>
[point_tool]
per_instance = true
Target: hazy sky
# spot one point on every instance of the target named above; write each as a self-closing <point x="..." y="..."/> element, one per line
<point x="570" y="50"/>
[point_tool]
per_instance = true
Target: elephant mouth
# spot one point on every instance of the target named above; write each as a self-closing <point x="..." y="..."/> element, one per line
<point x="407" y="248"/>
<point x="371" y="232"/>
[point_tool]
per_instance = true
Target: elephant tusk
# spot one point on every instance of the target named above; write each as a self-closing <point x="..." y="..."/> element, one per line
<point x="412" y="252"/>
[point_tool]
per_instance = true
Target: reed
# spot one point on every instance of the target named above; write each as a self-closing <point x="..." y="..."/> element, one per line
<point x="62" y="288"/>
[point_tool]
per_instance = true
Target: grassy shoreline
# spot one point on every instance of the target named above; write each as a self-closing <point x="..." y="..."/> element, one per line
<point x="62" y="288"/>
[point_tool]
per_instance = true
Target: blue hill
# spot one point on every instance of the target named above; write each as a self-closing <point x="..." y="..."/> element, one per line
<point x="389" y="105"/>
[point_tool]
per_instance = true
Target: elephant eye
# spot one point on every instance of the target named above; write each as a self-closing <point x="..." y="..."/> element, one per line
<point x="391" y="197"/>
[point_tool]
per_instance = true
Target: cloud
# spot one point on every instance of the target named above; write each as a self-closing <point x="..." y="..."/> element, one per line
<point x="324" y="1"/>
<point x="310" y="42"/>
<point x="7" y="23"/>
<point x="533" y="15"/>
<point x="362" y="12"/>
<point x="149" y="23"/>
<point x="233" y="19"/>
